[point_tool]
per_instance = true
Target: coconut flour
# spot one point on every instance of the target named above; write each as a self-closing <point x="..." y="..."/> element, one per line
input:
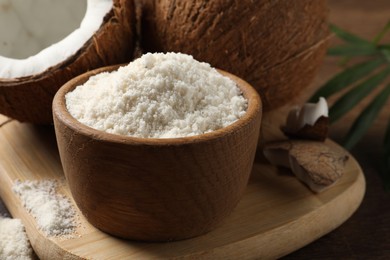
<point x="158" y="96"/>
<point x="14" y="243"/>
<point x="54" y="213"/>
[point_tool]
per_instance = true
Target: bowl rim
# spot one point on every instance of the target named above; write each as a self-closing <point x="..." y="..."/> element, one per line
<point x="61" y="113"/>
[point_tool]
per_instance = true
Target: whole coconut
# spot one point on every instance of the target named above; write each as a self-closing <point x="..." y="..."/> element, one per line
<point x="276" y="46"/>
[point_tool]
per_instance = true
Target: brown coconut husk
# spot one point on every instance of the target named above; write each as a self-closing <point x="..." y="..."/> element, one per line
<point x="317" y="132"/>
<point x="277" y="46"/>
<point x="317" y="164"/>
<point x="30" y="98"/>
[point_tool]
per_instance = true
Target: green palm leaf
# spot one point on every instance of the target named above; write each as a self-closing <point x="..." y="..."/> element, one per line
<point x="355" y="95"/>
<point x="382" y="33"/>
<point x="347" y="77"/>
<point x="364" y="78"/>
<point x="349" y="37"/>
<point x="386" y="54"/>
<point x="353" y="50"/>
<point x="365" y="119"/>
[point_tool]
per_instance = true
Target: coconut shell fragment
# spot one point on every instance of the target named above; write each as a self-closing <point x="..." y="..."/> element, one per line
<point x="310" y="122"/>
<point x="318" y="131"/>
<point x="317" y="164"/>
<point x="277" y="46"/>
<point x="30" y="98"/>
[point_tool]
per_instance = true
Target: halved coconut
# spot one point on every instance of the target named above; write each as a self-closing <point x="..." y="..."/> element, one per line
<point x="105" y="37"/>
<point x="276" y="46"/>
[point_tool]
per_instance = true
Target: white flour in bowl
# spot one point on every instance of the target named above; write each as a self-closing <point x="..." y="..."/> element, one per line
<point x="158" y="96"/>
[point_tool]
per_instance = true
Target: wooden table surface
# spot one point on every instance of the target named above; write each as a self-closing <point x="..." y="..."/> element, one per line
<point x="366" y="235"/>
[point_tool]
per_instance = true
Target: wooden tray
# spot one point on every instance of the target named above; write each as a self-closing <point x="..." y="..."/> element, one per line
<point x="276" y="216"/>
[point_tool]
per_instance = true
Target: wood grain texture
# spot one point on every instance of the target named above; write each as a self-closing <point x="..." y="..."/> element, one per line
<point x="156" y="189"/>
<point x="276" y="215"/>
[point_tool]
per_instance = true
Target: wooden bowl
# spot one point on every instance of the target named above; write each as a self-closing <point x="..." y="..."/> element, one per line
<point x="156" y="189"/>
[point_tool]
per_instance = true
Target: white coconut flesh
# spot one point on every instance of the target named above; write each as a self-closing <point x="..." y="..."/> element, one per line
<point x="307" y="115"/>
<point x="29" y="26"/>
<point x="11" y="67"/>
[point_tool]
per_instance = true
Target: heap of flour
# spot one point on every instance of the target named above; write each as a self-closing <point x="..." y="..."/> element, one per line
<point x="53" y="212"/>
<point x="158" y="96"/>
<point x="14" y="243"/>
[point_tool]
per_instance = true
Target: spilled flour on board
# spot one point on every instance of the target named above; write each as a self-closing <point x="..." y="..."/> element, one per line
<point x="53" y="212"/>
<point x="14" y="243"/>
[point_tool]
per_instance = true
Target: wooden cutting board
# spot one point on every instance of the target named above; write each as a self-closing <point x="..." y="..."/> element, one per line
<point x="276" y="216"/>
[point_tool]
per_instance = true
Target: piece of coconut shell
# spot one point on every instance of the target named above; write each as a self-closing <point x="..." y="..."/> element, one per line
<point x="317" y="132"/>
<point x="277" y="46"/>
<point x="317" y="164"/>
<point x="30" y="98"/>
